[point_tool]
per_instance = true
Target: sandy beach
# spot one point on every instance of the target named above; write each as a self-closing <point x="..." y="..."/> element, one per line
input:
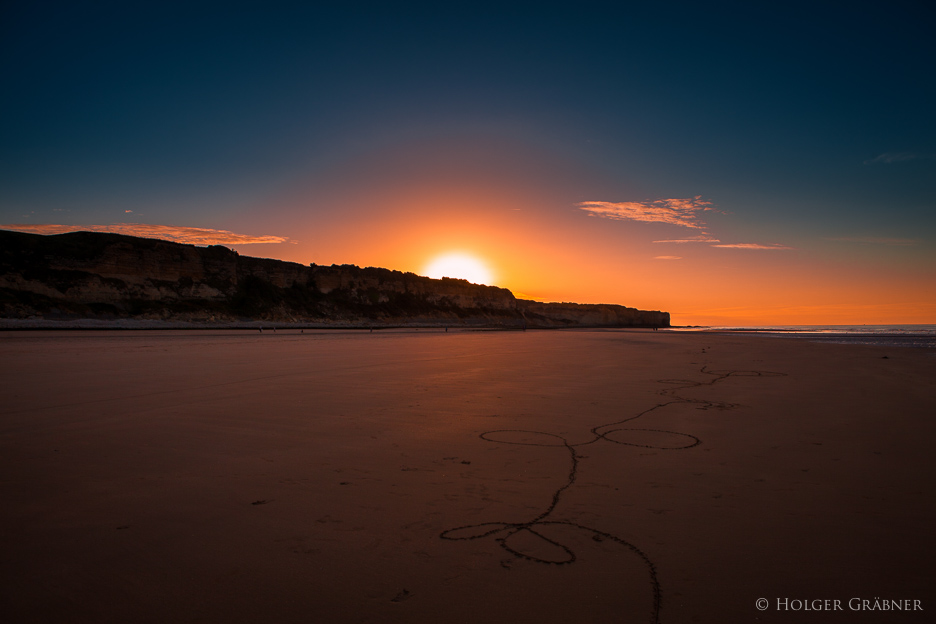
<point x="461" y="477"/>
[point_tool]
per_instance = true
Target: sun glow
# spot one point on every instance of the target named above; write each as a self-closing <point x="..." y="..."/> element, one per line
<point x="460" y="266"/>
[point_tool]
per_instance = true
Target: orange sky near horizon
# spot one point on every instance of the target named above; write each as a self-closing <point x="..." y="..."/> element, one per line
<point x="573" y="257"/>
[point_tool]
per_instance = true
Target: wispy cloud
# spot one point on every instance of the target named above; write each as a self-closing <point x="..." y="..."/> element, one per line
<point x="702" y="238"/>
<point x="682" y="212"/>
<point x="752" y="246"/>
<point x="873" y="240"/>
<point x="667" y="257"/>
<point x="888" y="158"/>
<point x="178" y="234"/>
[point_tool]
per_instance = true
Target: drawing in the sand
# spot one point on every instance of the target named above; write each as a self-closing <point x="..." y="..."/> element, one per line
<point x="506" y="532"/>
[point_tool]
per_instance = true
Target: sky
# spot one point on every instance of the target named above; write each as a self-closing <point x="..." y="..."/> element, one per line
<point x="731" y="164"/>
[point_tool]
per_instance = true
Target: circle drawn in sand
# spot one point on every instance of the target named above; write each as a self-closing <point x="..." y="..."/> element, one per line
<point x="651" y="438"/>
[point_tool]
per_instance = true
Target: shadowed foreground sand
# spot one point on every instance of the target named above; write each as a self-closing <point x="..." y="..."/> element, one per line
<point x="587" y="476"/>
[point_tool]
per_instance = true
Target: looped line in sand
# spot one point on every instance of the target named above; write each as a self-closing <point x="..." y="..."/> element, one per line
<point x="523" y="437"/>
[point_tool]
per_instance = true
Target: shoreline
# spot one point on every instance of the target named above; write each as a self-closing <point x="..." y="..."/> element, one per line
<point x="156" y="325"/>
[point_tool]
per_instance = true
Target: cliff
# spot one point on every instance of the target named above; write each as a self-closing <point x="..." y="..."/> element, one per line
<point x="110" y="276"/>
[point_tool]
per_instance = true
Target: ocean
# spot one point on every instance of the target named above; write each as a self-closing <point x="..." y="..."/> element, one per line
<point x="918" y="336"/>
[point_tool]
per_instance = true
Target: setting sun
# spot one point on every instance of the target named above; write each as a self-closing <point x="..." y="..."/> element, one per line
<point x="460" y="266"/>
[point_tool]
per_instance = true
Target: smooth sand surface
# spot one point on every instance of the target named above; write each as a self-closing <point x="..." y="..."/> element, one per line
<point x="423" y="476"/>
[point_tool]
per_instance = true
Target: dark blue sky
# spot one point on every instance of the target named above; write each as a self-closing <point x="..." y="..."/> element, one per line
<point x="798" y="119"/>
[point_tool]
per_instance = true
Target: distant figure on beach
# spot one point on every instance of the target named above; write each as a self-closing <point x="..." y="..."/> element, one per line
<point x="261" y="330"/>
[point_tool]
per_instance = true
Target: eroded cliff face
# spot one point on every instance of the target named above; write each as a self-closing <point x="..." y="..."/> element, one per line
<point x="96" y="275"/>
<point x="590" y="315"/>
<point x="377" y="286"/>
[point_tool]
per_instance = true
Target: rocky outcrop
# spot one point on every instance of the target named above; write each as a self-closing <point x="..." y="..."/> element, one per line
<point x="98" y="275"/>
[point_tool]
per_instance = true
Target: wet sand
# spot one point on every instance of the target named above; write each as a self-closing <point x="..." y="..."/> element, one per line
<point x="422" y="476"/>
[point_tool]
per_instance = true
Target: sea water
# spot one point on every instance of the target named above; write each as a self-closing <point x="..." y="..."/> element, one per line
<point x="920" y="336"/>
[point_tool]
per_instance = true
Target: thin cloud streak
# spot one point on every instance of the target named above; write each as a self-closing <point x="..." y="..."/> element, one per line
<point x="752" y="246"/>
<point x="667" y="257"/>
<point x="888" y="158"/>
<point x="702" y="238"/>
<point x="682" y="212"/>
<point x="177" y="234"/>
